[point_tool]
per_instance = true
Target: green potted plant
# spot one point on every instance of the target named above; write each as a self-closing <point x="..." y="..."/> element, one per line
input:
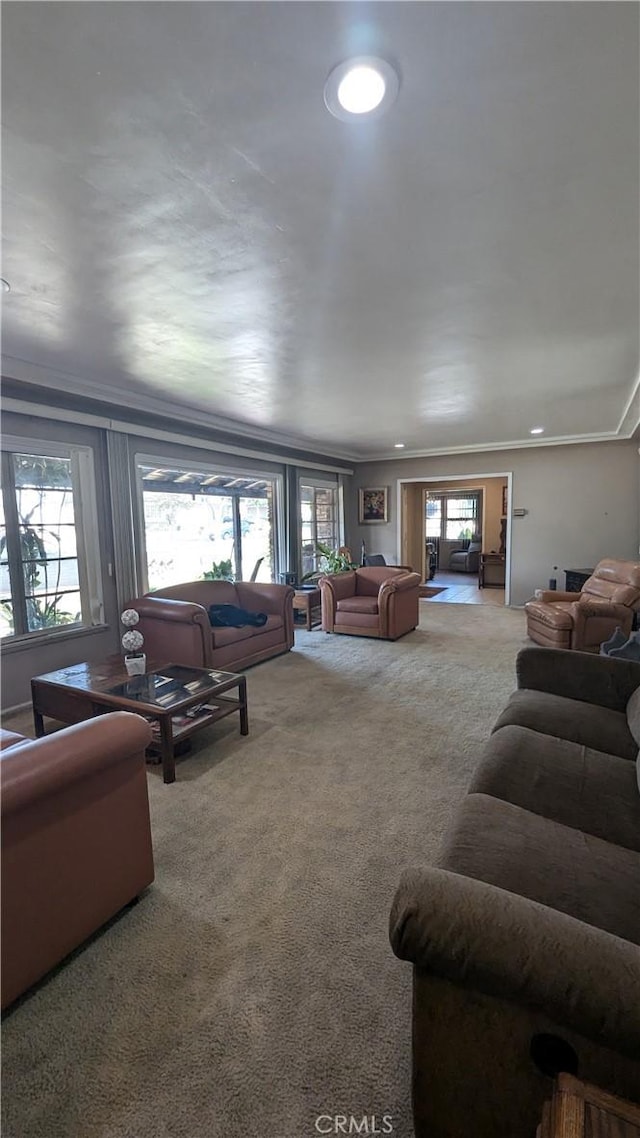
<point x="219" y="571"/>
<point x="332" y="561"/>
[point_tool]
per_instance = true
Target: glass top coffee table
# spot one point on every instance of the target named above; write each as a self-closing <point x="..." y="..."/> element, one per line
<point x="177" y="700"/>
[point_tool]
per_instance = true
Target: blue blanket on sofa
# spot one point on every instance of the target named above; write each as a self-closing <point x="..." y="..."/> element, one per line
<point x="230" y="616"/>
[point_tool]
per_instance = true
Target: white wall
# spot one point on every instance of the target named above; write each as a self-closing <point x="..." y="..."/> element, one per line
<point x="583" y="503"/>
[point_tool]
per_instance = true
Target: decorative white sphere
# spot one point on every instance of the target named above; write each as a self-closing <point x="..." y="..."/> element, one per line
<point x="132" y="641"/>
<point x="130" y="617"/>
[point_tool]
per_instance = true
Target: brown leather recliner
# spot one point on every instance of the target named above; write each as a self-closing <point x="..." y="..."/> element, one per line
<point x="381" y="602"/>
<point x="583" y="621"/>
<point x="76" y="839"/>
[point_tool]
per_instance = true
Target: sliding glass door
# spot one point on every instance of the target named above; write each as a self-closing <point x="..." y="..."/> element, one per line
<point x="201" y="523"/>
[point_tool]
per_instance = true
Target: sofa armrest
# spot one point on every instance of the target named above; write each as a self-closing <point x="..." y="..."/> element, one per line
<point x="173" y="628"/>
<point x="548" y="596"/>
<point x="339" y="585"/>
<point x="41" y="767"/>
<point x="485" y="938"/>
<point x="585" y="676"/>
<point x="333" y="588"/>
<point x="589" y="607"/>
<point x="399" y="584"/>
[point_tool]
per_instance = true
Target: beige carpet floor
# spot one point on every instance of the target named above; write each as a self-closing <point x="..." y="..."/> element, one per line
<point x="253" y="987"/>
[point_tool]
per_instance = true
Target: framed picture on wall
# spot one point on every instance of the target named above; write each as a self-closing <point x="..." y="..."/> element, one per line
<point x="504" y="501"/>
<point x="374" y="505"/>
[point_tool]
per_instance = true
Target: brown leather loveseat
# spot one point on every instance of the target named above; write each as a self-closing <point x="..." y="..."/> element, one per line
<point x="382" y="602"/>
<point x="584" y="620"/>
<point x="76" y="839"/>
<point x="176" y="626"/>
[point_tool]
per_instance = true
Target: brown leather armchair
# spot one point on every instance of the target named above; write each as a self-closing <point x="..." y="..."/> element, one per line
<point x="76" y="839"/>
<point x="583" y="621"/>
<point x="381" y="602"/>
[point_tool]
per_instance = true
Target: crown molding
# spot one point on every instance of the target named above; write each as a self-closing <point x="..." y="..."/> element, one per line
<point x="34" y="375"/>
<point x="515" y="444"/>
<point x="52" y="379"/>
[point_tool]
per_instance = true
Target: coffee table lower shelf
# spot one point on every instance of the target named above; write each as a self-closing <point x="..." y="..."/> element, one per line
<point x="178" y="732"/>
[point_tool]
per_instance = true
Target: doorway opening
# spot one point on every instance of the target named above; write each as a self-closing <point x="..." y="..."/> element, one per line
<point x="455" y="530"/>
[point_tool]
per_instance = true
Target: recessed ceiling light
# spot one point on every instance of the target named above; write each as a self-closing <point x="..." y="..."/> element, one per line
<point x="6" y="287"/>
<point x="361" y="88"/>
<point x="536" y="431"/>
<point x="399" y="446"/>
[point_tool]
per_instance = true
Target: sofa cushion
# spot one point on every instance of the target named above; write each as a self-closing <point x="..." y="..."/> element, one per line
<point x="358" y="604"/>
<point x="572" y="719"/>
<point x="223" y="636"/>
<point x="566" y="869"/>
<point x="633" y="715"/>
<point x="563" y="781"/>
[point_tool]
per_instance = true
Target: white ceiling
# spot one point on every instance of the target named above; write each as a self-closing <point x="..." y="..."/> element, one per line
<point x="184" y="221"/>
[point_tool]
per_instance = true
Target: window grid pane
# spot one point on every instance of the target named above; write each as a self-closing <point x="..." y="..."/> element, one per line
<point x="45" y="548"/>
<point x="319" y="523"/>
<point x="193" y="528"/>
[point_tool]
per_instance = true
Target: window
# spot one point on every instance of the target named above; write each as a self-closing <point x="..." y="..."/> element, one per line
<point x="199" y="521"/>
<point x="453" y="516"/>
<point x="319" y="521"/>
<point x="48" y="540"/>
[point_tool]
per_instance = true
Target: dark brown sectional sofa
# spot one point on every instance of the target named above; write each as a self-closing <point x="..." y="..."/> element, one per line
<point x="524" y="937"/>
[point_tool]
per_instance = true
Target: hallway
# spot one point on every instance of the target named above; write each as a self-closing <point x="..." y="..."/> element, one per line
<point x="462" y="589"/>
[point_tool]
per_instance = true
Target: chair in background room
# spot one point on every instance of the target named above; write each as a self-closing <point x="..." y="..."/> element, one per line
<point x="376" y="559"/>
<point x="467" y="560"/>
<point x="609" y="598"/>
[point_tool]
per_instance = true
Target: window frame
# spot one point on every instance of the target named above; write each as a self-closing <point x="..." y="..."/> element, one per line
<point x="83" y="489"/>
<point x="144" y="459"/>
<point x="320" y="484"/>
<point x="445" y="496"/>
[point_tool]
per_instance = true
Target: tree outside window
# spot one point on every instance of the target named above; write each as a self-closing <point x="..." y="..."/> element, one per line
<point x="455" y="517"/>
<point x="43" y="580"/>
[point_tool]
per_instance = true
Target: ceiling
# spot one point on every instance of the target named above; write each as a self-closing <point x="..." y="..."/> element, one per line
<point x="185" y="225"/>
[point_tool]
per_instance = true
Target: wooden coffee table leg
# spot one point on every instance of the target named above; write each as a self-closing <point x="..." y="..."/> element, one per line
<point x="38" y="723"/>
<point x="309" y="614"/>
<point x="244" y="711"/>
<point x="166" y="750"/>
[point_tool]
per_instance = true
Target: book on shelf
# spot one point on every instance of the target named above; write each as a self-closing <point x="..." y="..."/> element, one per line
<point x="201" y="711"/>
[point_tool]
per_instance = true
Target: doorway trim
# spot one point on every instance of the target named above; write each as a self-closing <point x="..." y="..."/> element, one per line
<point x="508" y="474"/>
